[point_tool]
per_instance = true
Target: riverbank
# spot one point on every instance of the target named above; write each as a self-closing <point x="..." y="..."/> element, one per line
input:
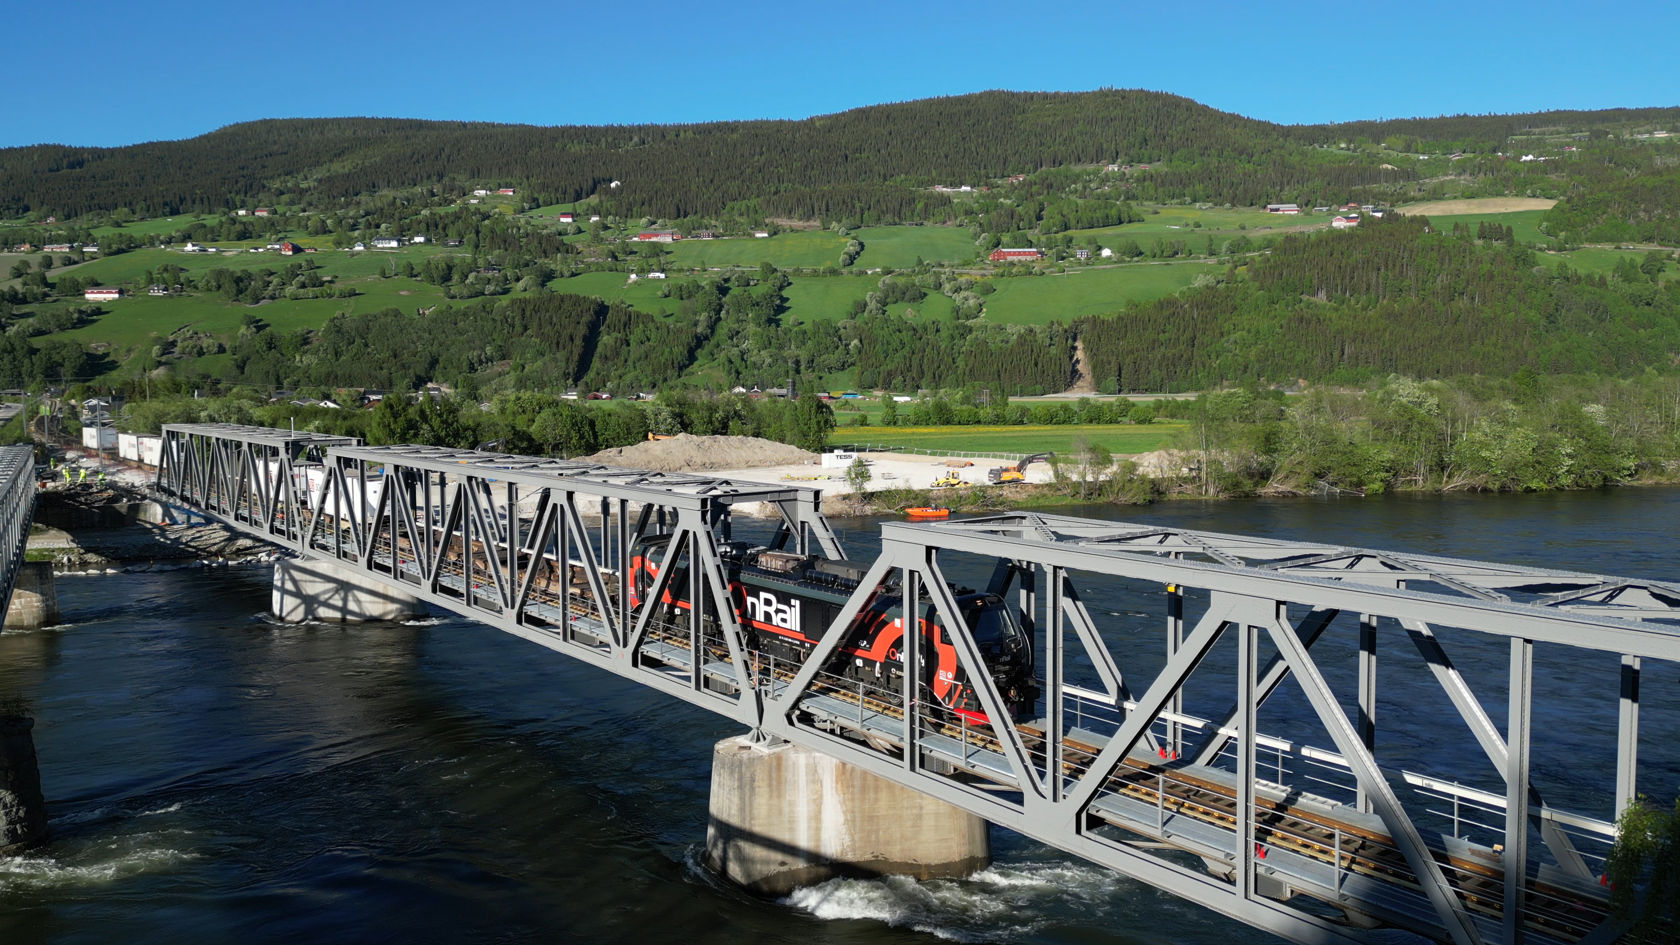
<point x="117" y="529"/>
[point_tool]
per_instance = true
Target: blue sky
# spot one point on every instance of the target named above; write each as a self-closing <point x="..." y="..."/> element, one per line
<point x="103" y="72"/>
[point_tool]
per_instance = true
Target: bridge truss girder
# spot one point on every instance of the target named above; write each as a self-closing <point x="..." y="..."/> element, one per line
<point x="1050" y="778"/>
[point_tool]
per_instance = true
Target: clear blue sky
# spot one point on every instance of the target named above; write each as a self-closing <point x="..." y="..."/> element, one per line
<point x="110" y="72"/>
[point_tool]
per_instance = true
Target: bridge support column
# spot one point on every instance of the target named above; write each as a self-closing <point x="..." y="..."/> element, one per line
<point x="34" y="598"/>
<point x="783" y="816"/>
<point x="23" y="812"/>
<point x="308" y="589"/>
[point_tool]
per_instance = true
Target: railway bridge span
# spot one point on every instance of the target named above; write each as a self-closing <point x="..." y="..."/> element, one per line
<point x="1200" y="711"/>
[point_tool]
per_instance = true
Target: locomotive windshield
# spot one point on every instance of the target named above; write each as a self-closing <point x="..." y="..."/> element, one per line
<point x="993" y="626"/>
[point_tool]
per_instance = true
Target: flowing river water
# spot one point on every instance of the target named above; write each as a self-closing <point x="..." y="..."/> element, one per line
<point x="215" y="776"/>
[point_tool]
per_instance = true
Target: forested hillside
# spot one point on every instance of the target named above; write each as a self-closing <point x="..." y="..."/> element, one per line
<point x="868" y="165"/>
<point x="1391" y="297"/>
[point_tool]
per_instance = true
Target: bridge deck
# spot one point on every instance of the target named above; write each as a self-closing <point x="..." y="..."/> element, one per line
<point x="538" y="548"/>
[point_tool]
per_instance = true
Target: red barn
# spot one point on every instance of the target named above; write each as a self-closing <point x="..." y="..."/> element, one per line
<point x="289" y="248"/>
<point x="1015" y="255"/>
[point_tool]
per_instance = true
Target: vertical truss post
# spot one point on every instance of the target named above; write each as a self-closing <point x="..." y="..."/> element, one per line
<point x="1248" y="639"/>
<point x="1055" y="718"/>
<point x="1175" y="639"/>
<point x="1627" y="737"/>
<point x="1518" y="721"/>
<point x="910" y="647"/>
<point x="1367" y="694"/>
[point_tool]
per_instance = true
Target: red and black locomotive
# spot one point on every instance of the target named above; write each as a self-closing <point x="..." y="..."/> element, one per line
<point x="785" y="602"/>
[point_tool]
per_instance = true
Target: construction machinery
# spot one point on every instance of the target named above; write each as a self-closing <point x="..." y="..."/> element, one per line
<point x="1017" y="472"/>
<point x="950" y="481"/>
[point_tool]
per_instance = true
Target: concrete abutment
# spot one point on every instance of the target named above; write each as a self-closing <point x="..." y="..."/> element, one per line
<point x="308" y="589"/>
<point x="783" y="816"/>
<point x="34" y="598"/>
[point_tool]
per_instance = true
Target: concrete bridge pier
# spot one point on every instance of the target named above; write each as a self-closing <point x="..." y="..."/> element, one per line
<point x="23" y="811"/>
<point x="309" y="589"/>
<point x="782" y="816"/>
<point x="34" y="598"/>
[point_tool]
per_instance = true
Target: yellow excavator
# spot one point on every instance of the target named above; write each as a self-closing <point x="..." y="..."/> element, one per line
<point x="950" y="481"/>
<point x="1017" y="472"/>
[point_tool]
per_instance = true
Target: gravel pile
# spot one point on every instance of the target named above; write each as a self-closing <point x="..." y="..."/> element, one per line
<point x="685" y="453"/>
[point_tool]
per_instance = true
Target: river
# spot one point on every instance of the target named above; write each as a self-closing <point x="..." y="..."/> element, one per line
<point x="214" y="776"/>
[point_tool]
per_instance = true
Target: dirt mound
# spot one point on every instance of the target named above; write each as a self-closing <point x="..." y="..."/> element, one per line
<point x="684" y="453"/>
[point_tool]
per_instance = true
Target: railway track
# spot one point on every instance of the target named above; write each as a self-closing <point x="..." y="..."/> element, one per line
<point x="1199" y="795"/>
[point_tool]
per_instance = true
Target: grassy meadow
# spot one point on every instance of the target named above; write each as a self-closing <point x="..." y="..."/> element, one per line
<point x="898" y="247"/>
<point x="791" y="250"/>
<point x="1036" y="300"/>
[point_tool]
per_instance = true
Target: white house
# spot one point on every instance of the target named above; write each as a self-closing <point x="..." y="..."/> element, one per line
<point x="386" y="242"/>
<point x="358" y="247"/>
<point x="760" y="235"/>
<point x="1342" y="223"/>
<point x="1106" y="253"/>
<point x="417" y="239"/>
<point x="481" y="192"/>
<point x="102" y="294"/>
<point x="656" y="275"/>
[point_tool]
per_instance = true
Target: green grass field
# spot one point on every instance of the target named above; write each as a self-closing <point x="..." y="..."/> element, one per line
<point x="1036" y="300"/>
<point x="131" y="322"/>
<point x="1181" y="223"/>
<point x="1526" y="223"/>
<point x="1123" y="439"/>
<point x="825" y="298"/>
<point x="642" y="295"/>
<point x="898" y="247"/>
<point x="797" y="249"/>
<point x="150" y="227"/>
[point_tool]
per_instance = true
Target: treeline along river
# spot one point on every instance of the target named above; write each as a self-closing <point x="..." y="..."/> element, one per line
<point x="214" y="776"/>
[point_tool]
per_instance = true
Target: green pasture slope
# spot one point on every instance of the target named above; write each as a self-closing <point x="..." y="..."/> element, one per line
<point x="898" y="247"/>
<point x="642" y="295"/>
<point x="133" y="321"/>
<point x="1037" y="300"/>
<point x="151" y="227"/>
<point x="1185" y="223"/>
<point x="1122" y="439"/>
<point x="1525" y="223"/>
<point x="798" y="249"/>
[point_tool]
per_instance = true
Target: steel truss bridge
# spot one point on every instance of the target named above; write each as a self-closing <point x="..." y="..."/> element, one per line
<point x="17" y="513"/>
<point x="1317" y="837"/>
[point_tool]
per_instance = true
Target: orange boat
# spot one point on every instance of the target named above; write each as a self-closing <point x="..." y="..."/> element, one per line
<point x="927" y="511"/>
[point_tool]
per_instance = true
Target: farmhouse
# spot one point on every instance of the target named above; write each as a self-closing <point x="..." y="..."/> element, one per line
<point x="1082" y="254"/>
<point x="1012" y="255"/>
<point x="102" y="294"/>
<point x="657" y="236"/>
<point x="90" y="247"/>
<point x="1288" y="208"/>
<point x="452" y="242"/>
<point x="358" y="247"/>
<point x="506" y="191"/>
<point x="24" y="248"/>
<point x="386" y="242"/>
<point x="417" y="239"/>
<point x="567" y="216"/>
<point x="481" y="192"/>
<point x="56" y="248"/>
<point x="157" y="290"/>
<point x="761" y="234"/>
<point x="242" y="212"/>
<point x="1342" y="223"/>
<point x="263" y="211"/>
<point x="192" y="247"/>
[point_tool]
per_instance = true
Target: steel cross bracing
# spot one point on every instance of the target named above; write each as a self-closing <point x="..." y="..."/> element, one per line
<point x="17" y="513"/>
<point x="1305" y="840"/>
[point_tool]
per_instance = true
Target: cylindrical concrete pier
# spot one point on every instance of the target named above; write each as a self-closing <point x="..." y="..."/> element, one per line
<point x="23" y="811"/>
<point x="307" y="589"/>
<point x="34" y="598"/>
<point x="783" y="817"/>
